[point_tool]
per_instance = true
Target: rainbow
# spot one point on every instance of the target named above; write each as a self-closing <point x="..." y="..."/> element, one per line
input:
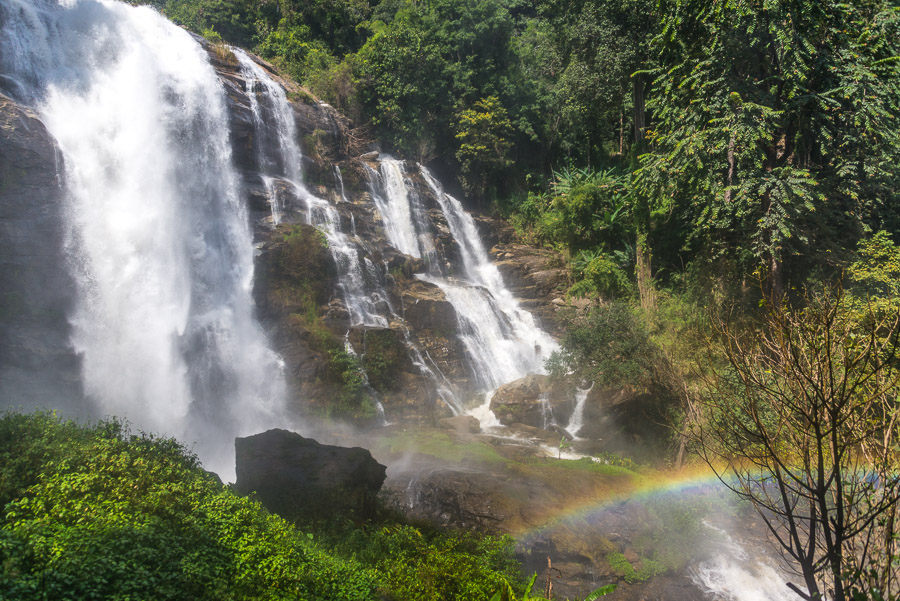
<point x="692" y="480"/>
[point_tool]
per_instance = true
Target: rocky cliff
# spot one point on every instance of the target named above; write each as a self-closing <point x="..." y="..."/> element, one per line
<point x="37" y="365"/>
<point x="298" y="293"/>
<point x="412" y="360"/>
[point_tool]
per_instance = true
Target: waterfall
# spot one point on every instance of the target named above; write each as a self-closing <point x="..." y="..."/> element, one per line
<point x="502" y="339"/>
<point x="404" y="218"/>
<point x="361" y="282"/>
<point x="576" y="422"/>
<point x="159" y="239"/>
<point x="279" y="157"/>
<point x="340" y="181"/>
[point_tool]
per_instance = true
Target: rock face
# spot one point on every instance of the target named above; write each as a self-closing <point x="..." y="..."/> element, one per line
<point x="298" y="296"/>
<point x="532" y="401"/>
<point x="37" y="366"/>
<point x="414" y="359"/>
<point x="536" y="276"/>
<point x="463" y="424"/>
<point x="626" y="422"/>
<point x="297" y="477"/>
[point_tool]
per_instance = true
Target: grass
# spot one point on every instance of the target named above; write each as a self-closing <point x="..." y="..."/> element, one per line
<point x="441" y="445"/>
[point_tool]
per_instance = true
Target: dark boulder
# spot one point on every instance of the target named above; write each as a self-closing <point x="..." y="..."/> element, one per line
<point x="532" y="400"/>
<point x="37" y="364"/>
<point x="297" y="477"/>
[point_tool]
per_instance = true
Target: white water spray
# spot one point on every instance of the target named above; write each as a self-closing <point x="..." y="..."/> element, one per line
<point x="159" y="238"/>
<point x="735" y="574"/>
<point x="576" y="422"/>
<point x="503" y="340"/>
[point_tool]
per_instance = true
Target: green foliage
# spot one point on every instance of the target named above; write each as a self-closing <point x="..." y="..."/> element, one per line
<point x="628" y="573"/>
<point x="293" y="49"/>
<point x="383" y="357"/>
<point x="506" y="592"/>
<point x="875" y="275"/>
<point x="93" y="512"/>
<point x="779" y="134"/>
<point x="600" y="276"/>
<point x="608" y="346"/>
<point x="98" y="513"/>
<point x="423" y="565"/>
<point x="482" y="133"/>
<point x="222" y="19"/>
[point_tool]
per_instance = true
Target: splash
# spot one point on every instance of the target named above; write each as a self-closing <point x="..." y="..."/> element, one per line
<point x="159" y="239"/>
<point x="729" y="569"/>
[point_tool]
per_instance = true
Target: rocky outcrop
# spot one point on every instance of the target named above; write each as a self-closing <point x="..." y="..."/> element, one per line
<point x="37" y="365"/>
<point x="533" y="401"/>
<point x="463" y="424"/>
<point x="628" y="422"/>
<point x="538" y="277"/>
<point x="297" y="477"/>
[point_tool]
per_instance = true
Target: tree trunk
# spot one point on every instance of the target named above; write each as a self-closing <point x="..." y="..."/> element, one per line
<point x="776" y="278"/>
<point x="643" y="273"/>
<point x="621" y="133"/>
<point x="640" y="125"/>
<point x="548" y="592"/>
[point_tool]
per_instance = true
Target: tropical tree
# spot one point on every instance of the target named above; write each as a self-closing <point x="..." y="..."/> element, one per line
<point x="482" y="133"/>
<point x="775" y="126"/>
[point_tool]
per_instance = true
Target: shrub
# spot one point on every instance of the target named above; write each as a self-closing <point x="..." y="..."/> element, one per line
<point x="98" y="513"/>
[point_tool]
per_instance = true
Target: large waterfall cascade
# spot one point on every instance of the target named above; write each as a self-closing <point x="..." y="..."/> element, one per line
<point x="502" y="340"/>
<point x="361" y="281"/>
<point x="158" y="235"/>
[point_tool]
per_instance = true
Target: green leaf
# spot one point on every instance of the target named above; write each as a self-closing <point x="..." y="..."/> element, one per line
<point x="601" y="592"/>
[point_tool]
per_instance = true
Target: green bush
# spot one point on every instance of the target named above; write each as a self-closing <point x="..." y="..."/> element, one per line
<point x="384" y="355"/>
<point x="423" y="566"/>
<point x="609" y="346"/>
<point x="604" y="277"/>
<point x="96" y="513"/>
<point x="623" y="568"/>
<point x="93" y="512"/>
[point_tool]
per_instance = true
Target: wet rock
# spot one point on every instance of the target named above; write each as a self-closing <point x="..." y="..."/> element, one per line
<point x="535" y="276"/>
<point x="301" y="305"/>
<point x="426" y="308"/>
<point x="548" y="437"/>
<point x="628" y="422"/>
<point x="297" y="477"/>
<point x="463" y="499"/>
<point x="464" y="424"/>
<point x="531" y="400"/>
<point x="37" y="365"/>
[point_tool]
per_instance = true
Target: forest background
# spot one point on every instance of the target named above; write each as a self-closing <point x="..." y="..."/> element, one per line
<point x="721" y="179"/>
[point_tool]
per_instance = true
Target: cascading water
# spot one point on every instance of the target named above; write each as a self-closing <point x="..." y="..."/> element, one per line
<point x="279" y="158"/>
<point x="159" y="239"/>
<point x="576" y="422"/>
<point x="502" y="340"/>
<point x="404" y="218"/>
<point x="360" y="280"/>
<point x="735" y="573"/>
<point x="547" y="418"/>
